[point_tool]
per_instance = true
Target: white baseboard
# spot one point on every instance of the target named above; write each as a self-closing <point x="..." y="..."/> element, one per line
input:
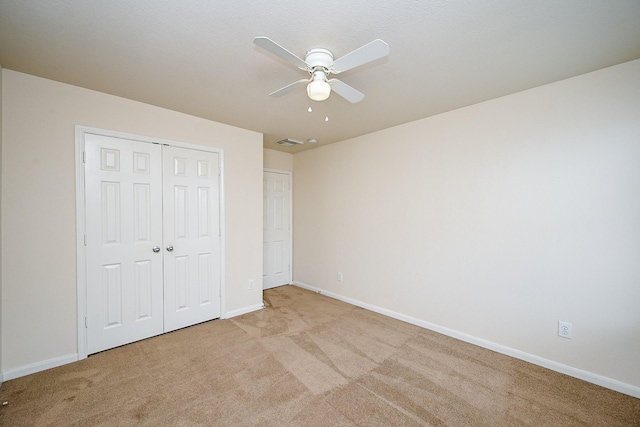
<point x="39" y="366"/>
<point x="241" y="311"/>
<point x="536" y="360"/>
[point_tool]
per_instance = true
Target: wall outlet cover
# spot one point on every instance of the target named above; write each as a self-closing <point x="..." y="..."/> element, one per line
<point x="565" y="329"/>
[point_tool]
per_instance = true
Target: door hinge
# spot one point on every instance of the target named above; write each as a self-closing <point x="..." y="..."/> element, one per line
<point x="85" y="240"/>
<point x="86" y="322"/>
<point x="84" y="157"/>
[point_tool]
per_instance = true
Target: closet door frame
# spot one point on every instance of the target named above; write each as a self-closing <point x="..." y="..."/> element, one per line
<point x="81" y="274"/>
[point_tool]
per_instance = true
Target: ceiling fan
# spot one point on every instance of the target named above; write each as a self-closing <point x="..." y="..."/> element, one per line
<point x="319" y="63"/>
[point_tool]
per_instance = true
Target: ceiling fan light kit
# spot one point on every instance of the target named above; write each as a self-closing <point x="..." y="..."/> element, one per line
<point x="318" y="88"/>
<point x="319" y="63"/>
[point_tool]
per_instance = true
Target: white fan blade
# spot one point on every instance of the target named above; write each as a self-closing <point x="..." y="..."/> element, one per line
<point x="347" y="92"/>
<point x="369" y="52"/>
<point x="273" y="47"/>
<point x="289" y="88"/>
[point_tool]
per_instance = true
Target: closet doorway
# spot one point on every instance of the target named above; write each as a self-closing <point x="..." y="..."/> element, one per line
<point x="151" y="240"/>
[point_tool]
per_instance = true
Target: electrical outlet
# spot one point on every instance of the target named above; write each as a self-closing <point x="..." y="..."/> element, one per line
<point x="339" y="277"/>
<point x="252" y="284"/>
<point x="565" y="329"/>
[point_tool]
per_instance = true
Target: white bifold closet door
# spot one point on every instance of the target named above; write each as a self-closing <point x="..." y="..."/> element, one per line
<point x="192" y="231"/>
<point x="152" y="239"/>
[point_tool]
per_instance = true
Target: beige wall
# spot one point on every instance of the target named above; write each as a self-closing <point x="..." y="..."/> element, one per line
<point x="38" y="205"/>
<point x="278" y="160"/>
<point x="493" y="221"/>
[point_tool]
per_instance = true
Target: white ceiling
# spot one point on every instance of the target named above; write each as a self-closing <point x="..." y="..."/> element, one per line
<point x="198" y="56"/>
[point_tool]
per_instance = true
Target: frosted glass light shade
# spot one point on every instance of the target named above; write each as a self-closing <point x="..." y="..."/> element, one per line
<point x="318" y="90"/>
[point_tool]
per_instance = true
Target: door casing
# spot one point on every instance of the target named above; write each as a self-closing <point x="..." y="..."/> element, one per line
<point x="81" y="282"/>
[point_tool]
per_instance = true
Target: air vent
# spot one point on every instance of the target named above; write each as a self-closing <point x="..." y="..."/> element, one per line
<point x="288" y="142"/>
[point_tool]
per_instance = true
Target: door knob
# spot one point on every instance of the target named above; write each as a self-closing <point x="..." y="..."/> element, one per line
<point x="156" y="249"/>
<point x="169" y="248"/>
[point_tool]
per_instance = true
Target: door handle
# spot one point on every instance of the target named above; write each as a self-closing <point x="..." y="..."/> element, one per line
<point x="156" y="249"/>
<point x="169" y="248"/>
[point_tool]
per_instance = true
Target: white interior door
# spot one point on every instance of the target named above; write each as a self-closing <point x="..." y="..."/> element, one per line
<point x="123" y="182"/>
<point x="152" y="232"/>
<point x="276" y="269"/>
<point x="191" y="237"/>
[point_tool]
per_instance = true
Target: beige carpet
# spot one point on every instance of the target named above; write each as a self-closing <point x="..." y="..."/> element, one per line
<point x="307" y="360"/>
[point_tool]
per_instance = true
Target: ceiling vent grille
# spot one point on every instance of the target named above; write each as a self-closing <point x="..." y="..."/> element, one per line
<point x="288" y="142"/>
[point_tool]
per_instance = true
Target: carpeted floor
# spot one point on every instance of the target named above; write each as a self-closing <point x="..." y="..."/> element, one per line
<point x="307" y="360"/>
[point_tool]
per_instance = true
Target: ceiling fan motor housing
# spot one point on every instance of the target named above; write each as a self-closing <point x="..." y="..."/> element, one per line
<point x="319" y="58"/>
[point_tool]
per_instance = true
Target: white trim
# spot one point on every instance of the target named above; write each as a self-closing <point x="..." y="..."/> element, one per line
<point x="141" y="138"/>
<point x="609" y="383"/>
<point x="81" y="277"/>
<point x="223" y="244"/>
<point x="244" y="310"/>
<point x="290" y="174"/>
<point x="81" y="131"/>
<point x="39" y="366"/>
